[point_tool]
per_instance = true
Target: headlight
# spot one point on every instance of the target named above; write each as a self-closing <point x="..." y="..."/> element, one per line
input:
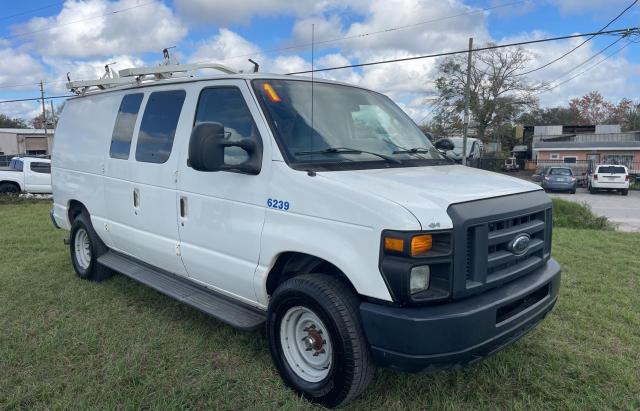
<point x="419" y="279"/>
<point x="417" y="265"/>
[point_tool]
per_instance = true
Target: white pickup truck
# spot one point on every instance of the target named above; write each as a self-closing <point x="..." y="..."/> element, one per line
<point x="26" y="175"/>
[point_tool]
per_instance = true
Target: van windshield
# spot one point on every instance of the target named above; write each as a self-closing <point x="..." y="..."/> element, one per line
<point x="350" y="127"/>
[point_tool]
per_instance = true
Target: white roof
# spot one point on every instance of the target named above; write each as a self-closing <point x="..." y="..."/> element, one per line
<point x="24" y="130"/>
<point x="241" y="76"/>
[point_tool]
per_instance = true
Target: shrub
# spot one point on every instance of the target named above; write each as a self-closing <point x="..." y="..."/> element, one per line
<point x="569" y="214"/>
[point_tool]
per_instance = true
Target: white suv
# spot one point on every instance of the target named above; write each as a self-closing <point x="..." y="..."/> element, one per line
<point x="610" y="177"/>
<point x="336" y="225"/>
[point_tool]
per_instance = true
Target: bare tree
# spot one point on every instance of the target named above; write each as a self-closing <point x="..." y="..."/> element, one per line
<point x="498" y="93"/>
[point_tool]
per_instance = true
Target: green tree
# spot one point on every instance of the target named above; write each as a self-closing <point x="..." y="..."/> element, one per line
<point x="498" y="94"/>
<point x="8" y="122"/>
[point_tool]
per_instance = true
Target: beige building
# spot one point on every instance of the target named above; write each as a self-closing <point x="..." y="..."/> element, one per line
<point x="25" y="141"/>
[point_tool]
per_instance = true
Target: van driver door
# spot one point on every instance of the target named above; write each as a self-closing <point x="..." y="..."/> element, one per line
<point x="222" y="213"/>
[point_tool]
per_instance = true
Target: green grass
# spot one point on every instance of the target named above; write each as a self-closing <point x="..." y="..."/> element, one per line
<point x="569" y="214"/>
<point x="72" y="344"/>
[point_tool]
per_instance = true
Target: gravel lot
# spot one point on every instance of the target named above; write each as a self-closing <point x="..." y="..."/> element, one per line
<point x="624" y="211"/>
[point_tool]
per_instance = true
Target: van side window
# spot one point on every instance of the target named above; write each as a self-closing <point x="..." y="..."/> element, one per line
<point x="44" y="168"/>
<point x="158" y="127"/>
<point x="225" y="105"/>
<point x="125" y="123"/>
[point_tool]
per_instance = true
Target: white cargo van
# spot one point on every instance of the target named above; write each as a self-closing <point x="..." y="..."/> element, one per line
<point x="332" y="222"/>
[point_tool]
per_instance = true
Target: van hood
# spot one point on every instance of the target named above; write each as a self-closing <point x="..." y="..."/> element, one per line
<point x="427" y="192"/>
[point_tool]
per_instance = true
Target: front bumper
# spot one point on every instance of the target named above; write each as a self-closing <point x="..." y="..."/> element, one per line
<point x="461" y="332"/>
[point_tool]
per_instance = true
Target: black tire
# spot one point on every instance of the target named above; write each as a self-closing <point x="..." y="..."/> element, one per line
<point x="93" y="271"/>
<point x="351" y="368"/>
<point x="572" y="192"/>
<point x="625" y="192"/>
<point x="592" y="190"/>
<point x="9" y="188"/>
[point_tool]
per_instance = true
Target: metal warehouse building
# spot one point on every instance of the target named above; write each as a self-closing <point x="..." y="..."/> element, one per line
<point x="27" y="141"/>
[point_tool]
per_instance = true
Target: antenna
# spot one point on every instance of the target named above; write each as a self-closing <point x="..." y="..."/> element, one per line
<point x="313" y="43"/>
<point x="166" y="56"/>
<point x="256" y="66"/>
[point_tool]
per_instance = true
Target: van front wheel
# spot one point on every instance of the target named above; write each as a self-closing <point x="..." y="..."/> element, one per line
<point x="316" y="339"/>
<point x="85" y="247"/>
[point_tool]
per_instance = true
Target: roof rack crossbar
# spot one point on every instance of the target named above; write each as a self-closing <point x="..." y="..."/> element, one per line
<point x="136" y="76"/>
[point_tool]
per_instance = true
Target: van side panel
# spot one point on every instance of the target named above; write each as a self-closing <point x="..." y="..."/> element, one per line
<point x="328" y="220"/>
<point x="81" y="143"/>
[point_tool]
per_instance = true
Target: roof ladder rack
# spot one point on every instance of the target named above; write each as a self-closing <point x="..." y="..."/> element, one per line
<point x="136" y="76"/>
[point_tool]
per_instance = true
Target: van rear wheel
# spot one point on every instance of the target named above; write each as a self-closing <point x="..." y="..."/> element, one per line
<point x="317" y="341"/>
<point x="85" y="247"/>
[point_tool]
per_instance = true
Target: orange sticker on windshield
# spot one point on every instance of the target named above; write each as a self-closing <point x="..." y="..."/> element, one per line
<point x="273" y="96"/>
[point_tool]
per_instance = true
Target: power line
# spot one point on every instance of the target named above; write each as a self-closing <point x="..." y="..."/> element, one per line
<point x="382" y="31"/>
<point x="452" y="53"/>
<point x="589" y="59"/>
<point x="35" y="98"/>
<point x="22" y="13"/>
<point x="581" y="44"/>
<point x="588" y="69"/>
<point x="109" y="14"/>
<point x="298" y="46"/>
<point x="492" y="47"/>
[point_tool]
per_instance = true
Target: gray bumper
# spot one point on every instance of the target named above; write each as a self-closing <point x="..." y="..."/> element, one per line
<point x="460" y="332"/>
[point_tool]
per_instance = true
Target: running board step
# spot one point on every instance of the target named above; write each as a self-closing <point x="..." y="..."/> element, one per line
<point x="210" y="302"/>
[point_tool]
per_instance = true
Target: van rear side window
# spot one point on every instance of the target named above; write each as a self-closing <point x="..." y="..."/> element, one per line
<point x="158" y="128"/>
<point x="125" y="123"/>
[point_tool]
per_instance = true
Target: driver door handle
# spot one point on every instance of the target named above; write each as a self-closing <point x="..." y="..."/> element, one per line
<point x="183" y="207"/>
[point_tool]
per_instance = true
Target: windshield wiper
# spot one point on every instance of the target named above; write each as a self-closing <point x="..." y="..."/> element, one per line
<point x="422" y="150"/>
<point x="346" y="150"/>
<point x="416" y="150"/>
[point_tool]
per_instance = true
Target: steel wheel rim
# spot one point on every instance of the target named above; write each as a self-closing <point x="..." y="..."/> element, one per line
<point x="82" y="248"/>
<point x="306" y="344"/>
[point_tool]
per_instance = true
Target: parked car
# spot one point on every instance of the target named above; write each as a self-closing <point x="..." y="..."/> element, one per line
<point x="611" y="178"/>
<point x="26" y="175"/>
<point x="559" y="179"/>
<point x="344" y="231"/>
<point x="510" y="164"/>
<point x="452" y="147"/>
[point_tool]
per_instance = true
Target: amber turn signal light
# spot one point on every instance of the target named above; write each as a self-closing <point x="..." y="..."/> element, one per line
<point x="420" y="244"/>
<point x="394" y="244"/>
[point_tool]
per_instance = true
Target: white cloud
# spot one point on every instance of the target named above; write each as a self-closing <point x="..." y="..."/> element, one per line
<point x="18" y="67"/>
<point x="611" y="77"/>
<point x="230" y="11"/>
<point x="227" y="47"/>
<point x="84" y="69"/>
<point x="25" y="110"/>
<point x="582" y="6"/>
<point x="79" y="31"/>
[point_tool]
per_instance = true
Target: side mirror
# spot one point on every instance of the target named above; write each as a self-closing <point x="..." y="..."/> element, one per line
<point x="208" y="145"/>
<point x="444" y="145"/>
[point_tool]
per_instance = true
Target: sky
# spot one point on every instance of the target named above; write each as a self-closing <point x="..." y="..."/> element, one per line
<point x="43" y="40"/>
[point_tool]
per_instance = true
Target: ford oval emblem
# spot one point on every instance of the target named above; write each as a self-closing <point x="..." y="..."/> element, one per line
<point x="520" y="244"/>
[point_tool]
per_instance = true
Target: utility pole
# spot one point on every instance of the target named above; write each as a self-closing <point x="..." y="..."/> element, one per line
<point x="53" y="117"/>
<point x="467" y="97"/>
<point x="44" y="111"/>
